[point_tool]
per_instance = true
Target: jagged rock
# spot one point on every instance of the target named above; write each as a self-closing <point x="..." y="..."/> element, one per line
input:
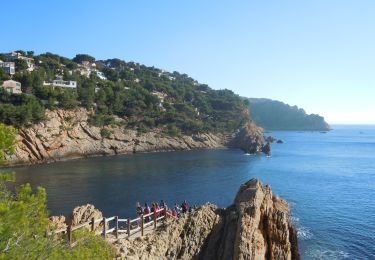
<point x="250" y="139"/>
<point x="256" y="226"/>
<point x="270" y="139"/>
<point x="266" y="149"/>
<point x="84" y="213"/>
<point x="57" y="222"/>
<point x="280" y="141"/>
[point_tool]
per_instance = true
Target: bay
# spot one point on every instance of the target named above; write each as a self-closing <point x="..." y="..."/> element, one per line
<point x="327" y="178"/>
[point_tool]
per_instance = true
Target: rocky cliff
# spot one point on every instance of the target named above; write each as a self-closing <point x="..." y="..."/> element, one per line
<point x="256" y="226"/>
<point x="249" y="138"/>
<point x="66" y="134"/>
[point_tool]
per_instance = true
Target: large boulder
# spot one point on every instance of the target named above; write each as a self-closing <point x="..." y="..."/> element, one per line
<point x="84" y="213"/>
<point x="250" y="139"/>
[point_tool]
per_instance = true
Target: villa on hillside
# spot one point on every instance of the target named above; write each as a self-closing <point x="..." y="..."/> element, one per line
<point x="16" y="55"/>
<point x="101" y="75"/>
<point x="8" y="67"/>
<point x="59" y="82"/>
<point x="86" y="68"/>
<point x="12" y="86"/>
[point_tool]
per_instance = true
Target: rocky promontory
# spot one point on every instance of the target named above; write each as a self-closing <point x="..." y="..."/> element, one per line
<point x="66" y="134"/>
<point x="256" y="226"/>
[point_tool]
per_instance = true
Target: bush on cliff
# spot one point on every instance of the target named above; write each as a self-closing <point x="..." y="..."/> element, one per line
<point x="24" y="221"/>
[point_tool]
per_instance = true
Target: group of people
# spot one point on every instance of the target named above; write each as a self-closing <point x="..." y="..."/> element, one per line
<point x="162" y="208"/>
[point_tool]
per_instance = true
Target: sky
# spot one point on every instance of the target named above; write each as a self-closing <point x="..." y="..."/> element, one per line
<point x="318" y="55"/>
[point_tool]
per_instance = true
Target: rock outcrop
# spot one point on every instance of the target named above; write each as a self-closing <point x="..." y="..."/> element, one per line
<point x="57" y="222"/>
<point x="79" y="215"/>
<point x="66" y="134"/>
<point x="256" y="226"/>
<point x="250" y="139"/>
<point x="83" y="214"/>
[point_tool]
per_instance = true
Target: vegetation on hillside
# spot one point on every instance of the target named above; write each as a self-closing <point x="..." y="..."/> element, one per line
<point x="276" y="115"/>
<point x="146" y="97"/>
<point x="24" y="221"/>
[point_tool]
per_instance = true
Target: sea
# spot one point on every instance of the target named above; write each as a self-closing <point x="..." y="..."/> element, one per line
<point x="328" y="178"/>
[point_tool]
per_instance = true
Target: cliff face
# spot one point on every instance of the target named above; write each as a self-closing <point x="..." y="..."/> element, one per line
<point x="66" y="134"/>
<point x="256" y="226"/>
<point x="249" y="139"/>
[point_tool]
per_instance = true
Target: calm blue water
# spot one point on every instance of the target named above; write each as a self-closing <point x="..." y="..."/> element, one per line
<point x="329" y="180"/>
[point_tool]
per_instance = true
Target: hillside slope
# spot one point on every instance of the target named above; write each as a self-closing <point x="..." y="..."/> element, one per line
<point x="276" y="115"/>
<point x="145" y="97"/>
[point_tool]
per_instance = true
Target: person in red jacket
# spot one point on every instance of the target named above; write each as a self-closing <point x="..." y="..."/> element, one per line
<point x="185" y="207"/>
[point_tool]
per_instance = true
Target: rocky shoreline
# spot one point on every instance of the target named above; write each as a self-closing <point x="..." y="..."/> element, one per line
<point x="256" y="226"/>
<point x="66" y="134"/>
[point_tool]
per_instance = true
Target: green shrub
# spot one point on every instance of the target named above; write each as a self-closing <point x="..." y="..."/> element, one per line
<point x="173" y="131"/>
<point x="105" y="133"/>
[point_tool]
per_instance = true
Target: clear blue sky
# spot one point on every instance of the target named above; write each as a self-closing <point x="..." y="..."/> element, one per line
<point x="319" y="55"/>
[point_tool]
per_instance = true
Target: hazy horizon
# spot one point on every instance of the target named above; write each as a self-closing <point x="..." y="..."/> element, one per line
<point x="316" y="55"/>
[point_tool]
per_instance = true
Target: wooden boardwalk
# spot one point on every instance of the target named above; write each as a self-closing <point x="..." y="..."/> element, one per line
<point x="118" y="227"/>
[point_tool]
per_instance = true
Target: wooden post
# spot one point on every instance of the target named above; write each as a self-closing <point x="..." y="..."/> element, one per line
<point x="165" y="213"/>
<point x="92" y="224"/>
<point x="116" y="226"/>
<point x="104" y="227"/>
<point x="69" y="234"/>
<point x="142" y="222"/>
<point x="155" y="219"/>
<point x="128" y="227"/>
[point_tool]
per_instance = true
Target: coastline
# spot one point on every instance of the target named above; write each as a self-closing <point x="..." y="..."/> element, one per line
<point x="76" y="158"/>
<point x="67" y="135"/>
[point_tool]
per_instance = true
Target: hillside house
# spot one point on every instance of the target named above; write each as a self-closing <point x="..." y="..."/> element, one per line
<point x="59" y="82"/>
<point x="101" y="75"/>
<point x="12" y="86"/>
<point x="16" y="55"/>
<point x="8" y="67"/>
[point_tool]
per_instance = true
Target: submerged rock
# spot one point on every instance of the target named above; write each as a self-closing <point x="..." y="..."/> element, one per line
<point x="256" y="226"/>
<point x="270" y="139"/>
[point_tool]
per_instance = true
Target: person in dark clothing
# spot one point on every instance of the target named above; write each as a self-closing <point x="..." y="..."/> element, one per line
<point x="184" y="207"/>
<point x="138" y="209"/>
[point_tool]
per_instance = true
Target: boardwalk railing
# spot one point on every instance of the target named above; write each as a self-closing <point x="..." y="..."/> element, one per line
<point x="128" y="227"/>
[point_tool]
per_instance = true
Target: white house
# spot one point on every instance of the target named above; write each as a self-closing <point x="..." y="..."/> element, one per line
<point x="101" y="75"/>
<point x="16" y="55"/>
<point x="12" y="86"/>
<point x="59" y="82"/>
<point x="8" y="67"/>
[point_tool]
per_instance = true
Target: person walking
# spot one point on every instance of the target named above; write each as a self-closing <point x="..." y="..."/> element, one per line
<point x="138" y="209"/>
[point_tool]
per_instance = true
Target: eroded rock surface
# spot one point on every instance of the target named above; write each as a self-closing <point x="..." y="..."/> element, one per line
<point x="250" y="139"/>
<point x="66" y="134"/>
<point x="57" y="222"/>
<point x="256" y="226"/>
<point x="84" y="213"/>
